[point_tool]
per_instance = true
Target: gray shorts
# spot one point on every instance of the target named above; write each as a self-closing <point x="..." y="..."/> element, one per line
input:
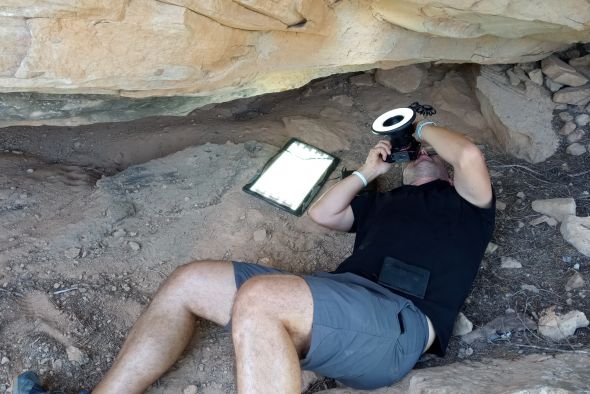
<point x="363" y="335"/>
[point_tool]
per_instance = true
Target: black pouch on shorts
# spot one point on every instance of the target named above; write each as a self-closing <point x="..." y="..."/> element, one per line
<point x="404" y="277"/>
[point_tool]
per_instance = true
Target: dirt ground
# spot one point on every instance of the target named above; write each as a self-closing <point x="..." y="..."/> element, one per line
<point x="93" y="218"/>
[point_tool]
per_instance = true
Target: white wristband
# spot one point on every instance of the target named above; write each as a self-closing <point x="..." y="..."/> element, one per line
<point x="361" y="177"/>
<point x="419" y="127"/>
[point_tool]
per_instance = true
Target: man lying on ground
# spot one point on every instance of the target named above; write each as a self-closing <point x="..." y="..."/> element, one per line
<point x="416" y="253"/>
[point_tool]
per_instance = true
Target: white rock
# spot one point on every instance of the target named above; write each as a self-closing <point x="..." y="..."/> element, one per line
<point x="72" y="253"/>
<point x="192" y="389"/>
<point x="566" y="116"/>
<point x="491" y="248"/>
<point x="576" y="149"/>
<point x="520" y="195"/>
<point x="582" y="119"/>
<point x="536" y="76"/>
<point x="260" y="235"/>
<point x="552" y="85"/>
<point x="561" y="72"/>
<point x="531" y="288"/>
<point x="559" y="327"/>
<point x="544" y="219"/>
<point x="500" y="205"/>
<point x="30" y="171"/>
<point x="575" y="136"/>
<point x="567" y="128"/>
<point x="462" y="325"/>
<point x="576" y="231"/>
<point x="76" y="355"/>
<point x="119" y="233"/>
<point x="403" y="79"/>
<point x="134" y="245"/>
<point x="573" y="96"/>
<point x="557" y="208"/>
<point x="526" y="137"/>
<point x="5" y="360"/>
<point x="575" y="282"/>
<point x="509" y="262"/>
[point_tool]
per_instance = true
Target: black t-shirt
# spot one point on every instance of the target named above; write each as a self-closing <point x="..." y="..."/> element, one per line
<point x="430" y="226"/>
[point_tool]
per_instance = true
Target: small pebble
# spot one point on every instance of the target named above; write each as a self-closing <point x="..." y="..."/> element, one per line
<point x="582" y="119"/>
<point x="576" y="149"/>
<point x="520" y="195"/>
<point x="5" y="360"/>
<point x="577" y="266"/>
<point x="192" y="389"/>
<point x="72" y="253"/>
<point x="566" y="116"/>
<point x="500" y="205"/>
<point x="30" y="171"/>
<point x="119" y="233"/>
<point x="575" y="136"/>
<point x="134" y="245"/>
<point x="509" y="262"/>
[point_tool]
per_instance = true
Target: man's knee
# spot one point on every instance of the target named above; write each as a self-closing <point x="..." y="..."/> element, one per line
<point x="252" y="299"/>
<point x="186" y="277"/>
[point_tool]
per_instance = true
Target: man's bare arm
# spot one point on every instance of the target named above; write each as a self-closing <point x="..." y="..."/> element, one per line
<point x="333" y="209"/>
<point x="471" y="177"/>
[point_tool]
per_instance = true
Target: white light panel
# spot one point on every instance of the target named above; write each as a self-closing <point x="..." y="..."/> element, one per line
<point x="290" y="178"/>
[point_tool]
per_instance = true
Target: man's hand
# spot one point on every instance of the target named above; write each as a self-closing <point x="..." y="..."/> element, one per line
<point x="375" y="164"/>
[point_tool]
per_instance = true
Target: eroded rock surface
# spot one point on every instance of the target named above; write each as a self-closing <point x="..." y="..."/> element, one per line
<point x="569" y="373"/>
<point x="220" y="50"/>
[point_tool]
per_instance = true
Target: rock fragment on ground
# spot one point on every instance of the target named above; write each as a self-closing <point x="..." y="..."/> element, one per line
<point x="510" y="322"/>
<point x="509" y="262"/>
<point x="462" y="325"/>
<point x="491" y="248"/>
<point x="192" y="389"/>
<point x="544" y="219"/>
<point x="558" y="327"/>
<point x="573" y="96"/>
<point x="566" y="116"/>
<point x="561" y="72"/>
<point x="576" y="231"/>
<point x="403" y="79"/>
<point x="582" y="119"/>
<point x="72" y="253"/>
<point x="527" y="137"/>
<point x="557" y="208"/>
<point x="76" y="355"/>
<point x="576" y="149"/>
<point x="134" y="245"/>
<point x="575" y="281"/>
<point x="576" y="136"/>
<point x="362" y="80"/>
<point x="259" y="235"/>
<point x="531" y="288"/>
<point x="552" y="85"/>
<point x="567" y="128"/>
<point x="536" y="76"/>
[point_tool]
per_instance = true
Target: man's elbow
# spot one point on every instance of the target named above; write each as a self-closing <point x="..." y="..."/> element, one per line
<point x="316" y="215"/>
<point x="469" y="156"/>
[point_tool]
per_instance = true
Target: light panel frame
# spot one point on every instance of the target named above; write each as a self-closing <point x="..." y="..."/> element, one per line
<point x="293" y="176"/>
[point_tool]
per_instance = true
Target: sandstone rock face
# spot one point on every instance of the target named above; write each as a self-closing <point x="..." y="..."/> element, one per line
<point x="529" y="137"/>
<point x="219" y="50"/>
<point x="569" y="373"/>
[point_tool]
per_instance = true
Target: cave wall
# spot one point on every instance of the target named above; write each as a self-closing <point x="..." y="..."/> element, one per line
<point x="224" y="49"/>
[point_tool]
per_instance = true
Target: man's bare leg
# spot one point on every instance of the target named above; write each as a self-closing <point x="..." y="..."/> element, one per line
<point x="271" y="330"/>
<point x="205" y="289"/>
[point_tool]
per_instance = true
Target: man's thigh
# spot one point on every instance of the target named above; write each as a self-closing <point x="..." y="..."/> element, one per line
<point x="362" y="334"/>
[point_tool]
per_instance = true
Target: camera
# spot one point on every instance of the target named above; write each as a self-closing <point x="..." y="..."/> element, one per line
<point x="397" y="124"/>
